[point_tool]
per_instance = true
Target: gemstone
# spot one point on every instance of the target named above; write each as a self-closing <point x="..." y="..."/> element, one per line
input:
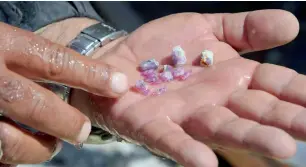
<point x="149" y="65"/>
<point x="207" y="58"/>
<point x="178" y="56"/>
<point x="153" y="80"/>
<point x="166" y="76"/>
<point x="148" y="72"/>
<point x="142" y="87"/>
<point x="177" y="72"/>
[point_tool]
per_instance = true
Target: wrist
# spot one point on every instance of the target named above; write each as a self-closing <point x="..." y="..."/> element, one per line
<point x="64" y="31"/>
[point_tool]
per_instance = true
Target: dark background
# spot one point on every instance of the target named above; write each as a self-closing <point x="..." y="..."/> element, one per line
<point x="130" y="15"/>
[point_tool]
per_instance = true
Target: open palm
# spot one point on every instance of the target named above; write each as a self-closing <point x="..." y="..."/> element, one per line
<point x="237" y="103"/>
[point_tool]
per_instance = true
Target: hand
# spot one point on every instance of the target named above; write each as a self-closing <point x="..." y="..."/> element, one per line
<point x="238" y="103"/>
<point x="25" y="57"/>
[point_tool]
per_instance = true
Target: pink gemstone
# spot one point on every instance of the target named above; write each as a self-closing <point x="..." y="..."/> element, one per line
<point x="178" y="56"/>
<point x="178" y="72"/>
<point x="142" y="87"/>
<point x="153" y="75"/>
<point x="185" y="76"/>
<point x="166" y="76"/>
<point x="152" y="79"/>
<point x="148" y="72"/>
<point x="146" y="92"/>
<point x="148" y="65"/>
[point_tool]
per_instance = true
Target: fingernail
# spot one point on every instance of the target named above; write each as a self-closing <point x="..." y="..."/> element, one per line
<point x="119" y="82"/>
<point x="84" y="133"/>
<point x="58" y="148"/>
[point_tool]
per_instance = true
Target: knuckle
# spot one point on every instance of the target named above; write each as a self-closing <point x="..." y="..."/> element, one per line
<point x="11" y="89"/>
<point x="57" y="59"/>
<point x="36" y="112"/>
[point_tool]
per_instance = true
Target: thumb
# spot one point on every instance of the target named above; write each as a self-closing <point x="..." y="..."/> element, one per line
<point x="256" y="30"/>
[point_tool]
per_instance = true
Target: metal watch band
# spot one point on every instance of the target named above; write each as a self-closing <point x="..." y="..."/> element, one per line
<point x="93" y="37"/>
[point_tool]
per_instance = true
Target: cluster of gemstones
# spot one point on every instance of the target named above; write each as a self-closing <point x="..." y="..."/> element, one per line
<point x="154" y="74"/>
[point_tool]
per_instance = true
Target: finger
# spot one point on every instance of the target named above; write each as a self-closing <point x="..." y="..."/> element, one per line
<point x="256" y="30"/>
<point x="284" y="83"/>
<point x="263" y="107"/>
<point x="219" y="125"/>
<point x="167" y="137"/>
<point x="19" y="146"/>
<point x="26" y="102"/>
<point x="38" y="58"/>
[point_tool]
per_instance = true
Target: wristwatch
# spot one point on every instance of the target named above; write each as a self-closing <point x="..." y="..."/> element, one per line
<point x="86" y="43"/>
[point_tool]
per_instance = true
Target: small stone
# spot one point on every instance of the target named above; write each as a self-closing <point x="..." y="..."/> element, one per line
<point x="142" y="87"/>
<point x="166" y="76"/>
<point x="178" y="56"/>
<point x="207" y="58"/>
<point x="149" y="65"/>
<point x="148" y="73"/>
<point x="178" y="72"/>
<point x="153" y="80"/>
<point x="159" y="91"/>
